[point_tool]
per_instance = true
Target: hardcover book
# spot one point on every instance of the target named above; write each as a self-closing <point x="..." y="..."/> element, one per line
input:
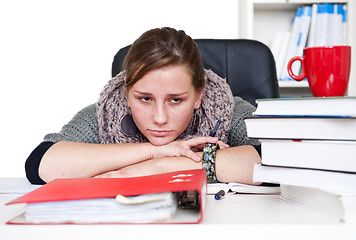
<point x="320" y="128"/>
<point x="324" y="155"/>
<point x="339" y="205"/>
<point x="308" y="106"/>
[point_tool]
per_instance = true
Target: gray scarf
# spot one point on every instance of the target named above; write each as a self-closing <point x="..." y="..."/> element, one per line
<point x="217" y="103"/>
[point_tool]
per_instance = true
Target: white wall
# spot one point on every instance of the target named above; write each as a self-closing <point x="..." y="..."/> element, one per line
<point x="55" y="57"/>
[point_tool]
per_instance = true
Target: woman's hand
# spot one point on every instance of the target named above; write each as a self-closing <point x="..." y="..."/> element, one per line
<point x="223" y="145"/>
<point x="185" y="148"/>
<point x="174" y="156"/>
<point x="234" y="164"/>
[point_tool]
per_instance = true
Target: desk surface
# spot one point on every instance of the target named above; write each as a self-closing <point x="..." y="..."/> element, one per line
<point x="250" y="215"/>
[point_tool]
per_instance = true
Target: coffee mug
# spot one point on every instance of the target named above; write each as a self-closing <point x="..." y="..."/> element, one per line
<point x="326" y="68"/>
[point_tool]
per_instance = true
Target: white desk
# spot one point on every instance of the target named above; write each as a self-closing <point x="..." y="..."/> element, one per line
<point x="241" y="216"/>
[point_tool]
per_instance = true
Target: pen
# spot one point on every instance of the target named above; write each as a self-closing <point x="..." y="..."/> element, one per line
<point x="219" y="194"/>
<point x="212" y="134"/>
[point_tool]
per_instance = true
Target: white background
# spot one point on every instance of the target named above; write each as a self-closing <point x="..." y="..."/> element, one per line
<point x="55" y="57"/>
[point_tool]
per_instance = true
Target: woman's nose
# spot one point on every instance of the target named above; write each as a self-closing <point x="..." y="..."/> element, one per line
<point x="160" y="114"/>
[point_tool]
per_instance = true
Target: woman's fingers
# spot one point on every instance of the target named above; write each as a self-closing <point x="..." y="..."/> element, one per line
<point x="186" y="148"/>
<point x="190" y="154"/>
<point x="223" y="145"/>
<point x="194" y="144"/>
<point x="201" y="141"/>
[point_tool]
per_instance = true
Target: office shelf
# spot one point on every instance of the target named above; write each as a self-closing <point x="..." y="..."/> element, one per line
<point x="286" y="84"/>
<point x="261" y="19"/>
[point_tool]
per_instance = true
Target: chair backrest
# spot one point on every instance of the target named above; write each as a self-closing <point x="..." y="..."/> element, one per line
<point x="247" y="65"/>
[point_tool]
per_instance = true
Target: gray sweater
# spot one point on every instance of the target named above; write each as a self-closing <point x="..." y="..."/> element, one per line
<point x="84" y="126"/>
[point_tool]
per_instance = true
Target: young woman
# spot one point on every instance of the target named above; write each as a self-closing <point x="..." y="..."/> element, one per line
<point x="153" y="117"/>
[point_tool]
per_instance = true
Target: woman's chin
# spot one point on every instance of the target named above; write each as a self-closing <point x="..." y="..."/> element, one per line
<point x="159" y="141"/>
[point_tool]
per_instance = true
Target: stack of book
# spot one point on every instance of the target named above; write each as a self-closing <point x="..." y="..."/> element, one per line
<point x="309" y="148"/>
<point x="321" y="24"/>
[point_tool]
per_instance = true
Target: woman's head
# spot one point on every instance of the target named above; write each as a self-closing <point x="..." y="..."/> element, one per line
<point x="165" y="82"/>
<point x="161" y="47"/>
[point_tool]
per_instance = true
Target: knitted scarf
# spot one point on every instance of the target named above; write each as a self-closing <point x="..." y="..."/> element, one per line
<point x="217" y="103"/>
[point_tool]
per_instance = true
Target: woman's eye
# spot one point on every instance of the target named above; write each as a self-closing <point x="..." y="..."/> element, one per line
<point x="176" y="100"/>
<point x="145" y="99"/>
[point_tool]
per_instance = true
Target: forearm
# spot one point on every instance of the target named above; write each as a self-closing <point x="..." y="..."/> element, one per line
<point x="77" y="160"/>
<point x="74" y="159"/>
<point x="233" y="164"/>
<point x="236" y="164"/>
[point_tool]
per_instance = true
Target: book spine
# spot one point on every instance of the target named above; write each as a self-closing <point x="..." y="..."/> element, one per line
<point x="311" y="35"/>
<point x="292" y="46"/>
<point x="322" y="25"/>
<point x="302" y="36"/>
<point x="344" y="24"/>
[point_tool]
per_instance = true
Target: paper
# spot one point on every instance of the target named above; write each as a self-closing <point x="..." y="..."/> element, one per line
<point x="104" y="210"/>
<point x="233" y="187"/>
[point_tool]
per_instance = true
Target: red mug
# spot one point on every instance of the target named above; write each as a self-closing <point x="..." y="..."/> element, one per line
<point x="326" y="68"/>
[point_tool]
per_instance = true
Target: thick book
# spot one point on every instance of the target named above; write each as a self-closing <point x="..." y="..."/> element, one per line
<point x="175" y="197"/>
<point x="322" y="25"/>
<point x="332" y="203"/>
<point x="311" y="35"/>
<point x="309" y="106"/>
<point x="335" y="35"/>
<point x="325" y="155"/>
<point x="325" y="128"/>
<point x="233" y="187"/>
<point x="324" y="180"/>
<point x="302" y="36"/>
<point x="292" y="45"/>
<point x="282" y="52"/>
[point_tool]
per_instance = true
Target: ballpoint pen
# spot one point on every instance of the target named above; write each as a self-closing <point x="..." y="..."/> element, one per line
<point x="212" y="134"/>
<point x="219" y="194"/>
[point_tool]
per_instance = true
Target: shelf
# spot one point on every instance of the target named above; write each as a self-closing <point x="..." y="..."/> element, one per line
<point x="262" y="19"/>
<point x="293" y="84"/>
<point x="277" y="5"/>
<point x="316" y="1"/>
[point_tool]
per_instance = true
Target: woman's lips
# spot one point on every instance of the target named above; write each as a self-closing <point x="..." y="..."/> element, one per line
<point x="160" y="133"/>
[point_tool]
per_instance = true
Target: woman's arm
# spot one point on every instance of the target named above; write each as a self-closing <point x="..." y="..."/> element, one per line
<point x="74" y="159"/>
<point x="236" y="164"/>
<point x="77" y="160"/>
<point x="233" y="164"/>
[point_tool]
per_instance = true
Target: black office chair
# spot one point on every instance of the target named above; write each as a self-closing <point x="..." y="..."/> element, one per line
<point x="248" y="66"/>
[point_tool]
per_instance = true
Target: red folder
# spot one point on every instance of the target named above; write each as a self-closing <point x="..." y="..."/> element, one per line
<point x="184" y="182"/>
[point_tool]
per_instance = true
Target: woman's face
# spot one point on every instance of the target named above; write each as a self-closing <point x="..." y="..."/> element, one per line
<point x="162" y="103"/>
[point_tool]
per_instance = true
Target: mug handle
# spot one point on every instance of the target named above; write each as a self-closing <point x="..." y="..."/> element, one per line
<point x="289" y="67"/>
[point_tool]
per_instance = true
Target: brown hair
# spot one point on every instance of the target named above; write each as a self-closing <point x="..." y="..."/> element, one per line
<point x="161" y="47"/>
